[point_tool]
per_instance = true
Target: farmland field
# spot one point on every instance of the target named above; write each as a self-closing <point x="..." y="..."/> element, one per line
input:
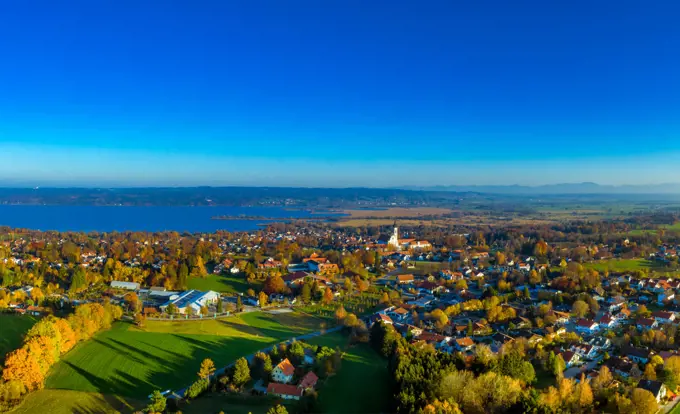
<point x="363" y="376"/>
<point x="13" y="329"/>
<point x="131" y="361"/>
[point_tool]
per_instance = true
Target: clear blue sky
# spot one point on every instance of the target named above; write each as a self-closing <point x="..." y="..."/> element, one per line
<point x="339" y="92"/>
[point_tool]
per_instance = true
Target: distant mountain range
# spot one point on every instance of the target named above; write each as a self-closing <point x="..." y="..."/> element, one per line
<point x="566" y="188"/>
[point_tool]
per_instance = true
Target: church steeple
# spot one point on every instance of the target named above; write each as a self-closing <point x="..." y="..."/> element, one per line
<point x="394" y="239"/>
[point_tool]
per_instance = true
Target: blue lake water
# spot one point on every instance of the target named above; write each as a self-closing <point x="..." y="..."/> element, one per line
<point x="114" y="218"/>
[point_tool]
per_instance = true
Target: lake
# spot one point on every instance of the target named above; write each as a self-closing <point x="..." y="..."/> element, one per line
<point x="115" y="218"/>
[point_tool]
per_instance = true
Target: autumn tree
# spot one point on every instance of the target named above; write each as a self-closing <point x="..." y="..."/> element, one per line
<point x="20" y="365"/>
<point x="580" y="308"/>
<point x="262" y="297"/>
<point x="207" y="368"/>
<point x="327" y="296"/>
<point x="340" y="313"/>
<point x="643" y="401"/>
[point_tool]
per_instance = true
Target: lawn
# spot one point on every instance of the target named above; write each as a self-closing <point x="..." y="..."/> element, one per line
<point x="362" y="383"/>
<point x="220" y="283"/>
<point x="13" y="328"/>
<point x="131" y="361"/>
<point x="67" y="402"/>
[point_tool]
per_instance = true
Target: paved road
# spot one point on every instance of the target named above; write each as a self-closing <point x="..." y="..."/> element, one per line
<point x="249" y="358"/>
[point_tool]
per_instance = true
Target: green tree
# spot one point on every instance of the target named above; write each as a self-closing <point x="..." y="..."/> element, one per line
<point x="219" y="305"/>
<point x="241" y="372"/>
<point x="306" y="294"/>
<point x="78" y="280"/>
<point x="183" y="276"/>
<point x="171" y="309"/>
<point x="157" y="404"/>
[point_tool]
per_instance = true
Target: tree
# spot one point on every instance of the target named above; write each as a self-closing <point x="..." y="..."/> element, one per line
<point x="263" y="299"/>
<point x="279" y="409"/>
<point x="643" y="401"/>
<point x="350" y="320"/>
<point x="157" y="404"/>
<point x="340" y="313"/>
<point x="239" y="304"/>
<point x="171" y="309"/>
<point x="603" y="379"/>
<point x="20" y="365"/>
<point x="558" y="366"/>
<point x="672" y="371"/>
<point x="580" y="308"/>
<point x="140" y="320"/>
<point x="643" y="312"/>
<point x="183" y="276"/>
<point x="262" y="366"/>
<point x="441" y="321"/>
<point x="583" y="394"/>
<point x="650" y="372"/>
<point x="219" y="305"/>
<point x="241" y="372"/>
<point x="327" y="296"/>
<point x="207" y="368"/>
<point x="205" y="311"/>
<point x="132" y="301"/>
<point x="348" y="285"/>
<point x="306" y="294"/>
<point x="385" y="298"/>
<point x="78" y="280"/>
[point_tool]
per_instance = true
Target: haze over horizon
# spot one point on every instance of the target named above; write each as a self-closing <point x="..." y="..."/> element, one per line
<point x="339" y="93"/>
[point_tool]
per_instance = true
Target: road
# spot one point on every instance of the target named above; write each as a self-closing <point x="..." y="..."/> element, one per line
<point x="249" y="358"/>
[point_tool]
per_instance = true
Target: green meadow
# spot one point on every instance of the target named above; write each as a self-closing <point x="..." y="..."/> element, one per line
<point x="12" y="330"/>
<point x="128" y="361"/>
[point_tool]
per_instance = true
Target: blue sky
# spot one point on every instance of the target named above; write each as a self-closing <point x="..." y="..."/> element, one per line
<point x="339" y="93"/>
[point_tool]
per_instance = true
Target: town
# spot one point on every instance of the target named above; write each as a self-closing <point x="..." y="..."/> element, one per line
<point x="594" y="315"/>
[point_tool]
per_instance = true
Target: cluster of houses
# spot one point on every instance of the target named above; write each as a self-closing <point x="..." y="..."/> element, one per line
<point x="282" y="381"/>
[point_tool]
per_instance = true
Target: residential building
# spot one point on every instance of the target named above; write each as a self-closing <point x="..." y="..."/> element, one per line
<point x="283" y="372"/>
<point x="285" y="391"/>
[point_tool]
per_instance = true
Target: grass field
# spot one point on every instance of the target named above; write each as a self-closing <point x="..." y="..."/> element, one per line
<point x="362" y="383"/>
<point x="68" y="402"/>
<point x="220" y="283"/>
<point x="627" y="265"/>
<point x="13" y="329"/>
<point x="132" y="362"/>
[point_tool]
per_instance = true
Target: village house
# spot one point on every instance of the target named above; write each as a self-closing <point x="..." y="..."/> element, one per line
<point x="285" y="391"/>
<point x="663" y="317"/>
<point x="584" y="350"/>
<point x="283" y="372"/>
<point x="644" y="324"/>
<point x="570" y="358"/>
<point x="464" y="344"/>
<point x="308" y="381"/>
<point x="657" y="388"/>
<point x="404" y="279"/>
<point x="586" y="326"/>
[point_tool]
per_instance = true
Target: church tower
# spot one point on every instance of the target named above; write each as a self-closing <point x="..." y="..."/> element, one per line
<point x="394" y="239"/>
